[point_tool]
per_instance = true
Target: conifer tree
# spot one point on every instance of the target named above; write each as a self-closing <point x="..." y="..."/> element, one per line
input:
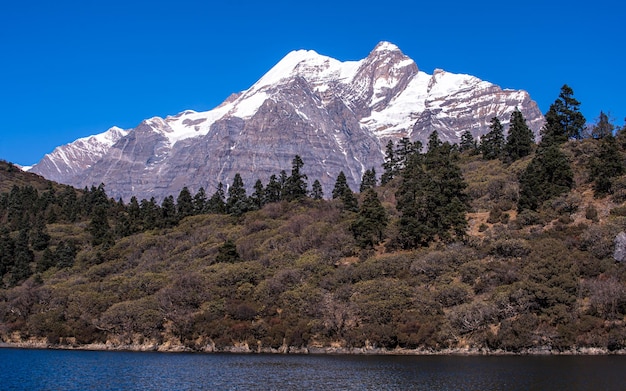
<point x="169" y="215"/>
<point x="316" y="190"/>
<point x="184" y="204"/>
<point x="99" y="227"/>
<point x="217" y="202"/>
<point x="371" y="221"/>
<point x="431" y="197"/>
<point x="368" y="181"/>
<point x="200" y="202"/>
<point x="563" y="119"/>
<point x="227" y="253"/>
<point x="389" y="164"/>
<point x="547" y="176"/>
<point x="273" y="190"/>
<point x="344" y="193"/>
<point x="603" y="127"/>
<point x="295" y="186"/>
<point x="606" y="165"/>
<point x="468" y="143"/>
<point x="237" y="201"/>
<point x="23" y="256"/>
<point x="7" y="252"/>
<point x="520" y="139"/>
<point x="492" y="143"/>
<point x="257" y="198"/>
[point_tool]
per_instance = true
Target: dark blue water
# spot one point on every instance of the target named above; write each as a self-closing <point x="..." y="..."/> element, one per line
<point x="83" y="370"/>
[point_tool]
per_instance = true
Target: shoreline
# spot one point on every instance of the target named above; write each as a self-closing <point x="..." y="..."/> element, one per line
<point x="290" y="350"/>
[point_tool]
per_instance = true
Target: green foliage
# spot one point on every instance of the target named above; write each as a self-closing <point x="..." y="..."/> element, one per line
<point x="607" y="164"/>
<point x="492" y="144"/>
<point x="227" y="253"/>
<point x="431" y="197"/>
<point x="563" y="120"/>
<point x="371" y="221"/>
<point x="345" y="194"/>
<point x="317" y="193"/>
<point x="547" y="176"/>
<point x="520" y="139"/>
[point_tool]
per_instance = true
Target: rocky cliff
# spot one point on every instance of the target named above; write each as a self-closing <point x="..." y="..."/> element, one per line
<point x="336" y="115"/>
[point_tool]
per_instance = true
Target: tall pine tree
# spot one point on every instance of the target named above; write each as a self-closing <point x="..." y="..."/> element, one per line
<point x="492" y="143"/>
<point x="520" y="140"/>
<point x="563" y="120"/>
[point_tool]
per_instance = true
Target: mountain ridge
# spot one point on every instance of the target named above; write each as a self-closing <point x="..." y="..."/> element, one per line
<point x="336" y="115"/>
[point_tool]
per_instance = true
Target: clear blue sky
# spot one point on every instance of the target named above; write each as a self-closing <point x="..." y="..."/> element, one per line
<point x="69" y="69"/>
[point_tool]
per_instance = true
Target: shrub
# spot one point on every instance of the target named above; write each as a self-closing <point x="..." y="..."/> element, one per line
<point x="511" y="248"/>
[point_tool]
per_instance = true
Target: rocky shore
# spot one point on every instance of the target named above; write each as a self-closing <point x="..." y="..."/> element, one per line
<point x="245" y="348"/>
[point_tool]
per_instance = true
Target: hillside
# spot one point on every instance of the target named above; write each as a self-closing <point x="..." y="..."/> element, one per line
<point x="294" y="275"/>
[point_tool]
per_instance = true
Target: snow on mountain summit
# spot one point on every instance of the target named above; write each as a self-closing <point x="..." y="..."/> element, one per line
<point x="337" y="115"/>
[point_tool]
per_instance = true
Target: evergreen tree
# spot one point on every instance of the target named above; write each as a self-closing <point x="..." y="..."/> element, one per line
<point x="217" y="202"/>
<point x="257" y="198"/>
<point x="237" y="201"/>
<point x="200" y="202"/>
<point x="563" y="119"/>
<point x="603" y="127"/>
<point x="169" y="215"/>
<point x="520" y="140"/>
<point x="134" y="216"/>
<point x="295" y="186"/>
<point x="150" y="213"/>
<point x="344" y="193"/>
<point x="404" y="149"/>
<point x="65" y="254"/>
<point x="389" y="164"/>
<point x="370" y="224"/>
<point x="273" y="190"/>
<point x="227" y="253"/>
<point x="468" y="143"/>
<point x="184" y="204"/>
<point x="7" y="252"/>
<point x="606" y="165"/>
<point x="548" y="175"/>
<point x="492" y="143"/>
<point x="316" y="192"/>
<point x="99" y="227"/>
<point x="39" y="236"/>
<point x="431" y="197"/>
<point x="368" y="181"/>
<point x="23" y="256"/>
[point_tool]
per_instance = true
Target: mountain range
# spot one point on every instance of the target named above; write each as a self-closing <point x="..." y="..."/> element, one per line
<point x="337" y="116"/>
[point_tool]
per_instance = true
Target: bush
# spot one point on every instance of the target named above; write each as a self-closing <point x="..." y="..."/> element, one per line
<point x="511" y="248"/>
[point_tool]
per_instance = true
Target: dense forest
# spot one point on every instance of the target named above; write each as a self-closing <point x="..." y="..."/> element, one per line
<point x="503" y="244"/>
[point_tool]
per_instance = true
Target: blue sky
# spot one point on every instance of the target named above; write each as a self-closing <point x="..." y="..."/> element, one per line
<point x="69" y="69"/>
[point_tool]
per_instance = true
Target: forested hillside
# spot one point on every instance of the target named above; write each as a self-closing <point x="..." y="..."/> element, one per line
<point x="498" y="244"/>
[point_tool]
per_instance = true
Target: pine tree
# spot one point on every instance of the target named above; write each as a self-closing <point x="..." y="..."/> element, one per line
<point x="23" y="256"/>
<point x="237" y="201"/>
<point x="169" y="215"/>
<point x="548" y="175"/>
<point x="344" y="193"/>
<point x="7" y="252"/>
<point x="603" y="127"/>
<point x="295" y="186"/>
<point x="389" y="164"/>
<point x="184" y="204"/>
<point x="99" y="227"/>
<point x="200" y="202"/>
<point x="468" y="143"/>
<point x="217" y="202"/>
<point x="520" y="140"/>
<point x="563" y="119"/>
<point x="257" y="198"/>
<point x="606" y="165"/>
<point x="492" y="143"/>
<point x="39" y="236"/>
<point x="431" y="197"/>
<point x="316" y="192"/>
<point x="273" y="190"/>
<point x="227" y="253"/>
<point x="150" y="213"/>
<point x="370" y="224"/>
<point x="368" y="181"/>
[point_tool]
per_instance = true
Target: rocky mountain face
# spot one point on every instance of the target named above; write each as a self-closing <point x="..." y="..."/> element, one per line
<point x="337" y="116"/>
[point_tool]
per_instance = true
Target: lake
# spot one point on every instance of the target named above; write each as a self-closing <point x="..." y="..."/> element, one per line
<point x="24" y="369"/>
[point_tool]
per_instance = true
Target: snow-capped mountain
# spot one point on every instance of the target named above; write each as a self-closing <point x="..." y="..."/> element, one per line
<point x="336" y="115"/>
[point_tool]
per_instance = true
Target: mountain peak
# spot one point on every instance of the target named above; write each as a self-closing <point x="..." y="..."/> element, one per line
<point x="385" y="46"/>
